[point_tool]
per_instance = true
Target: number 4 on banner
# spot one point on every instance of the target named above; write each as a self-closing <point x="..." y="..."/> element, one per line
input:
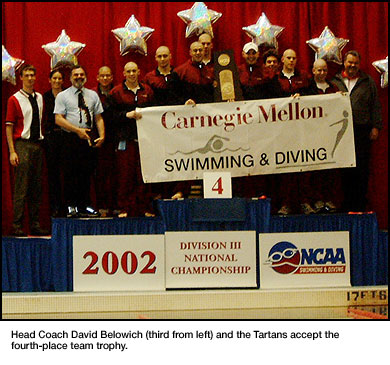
<point x="217" y="185"/>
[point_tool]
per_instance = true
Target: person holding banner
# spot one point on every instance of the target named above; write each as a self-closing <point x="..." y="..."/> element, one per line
<point x="166" y="86"/>
<point x="197" y="80"/>
<point x="164" y="81"/>
<point x="323" y="184"/>
<point x="271" y="60"/>
<point x="293" y="82"/>
<point x="257" y="81"/>
<point x="367" y="121"/>
<point x="133" y="196"/>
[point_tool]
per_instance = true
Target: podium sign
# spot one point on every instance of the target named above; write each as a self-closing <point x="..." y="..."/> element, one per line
<point x="304" y="260"/>
<point x="226" y="76"/>
<point x="120" y="262"/>
<point x="217" y="185"/>
<point x="210" y="259"/>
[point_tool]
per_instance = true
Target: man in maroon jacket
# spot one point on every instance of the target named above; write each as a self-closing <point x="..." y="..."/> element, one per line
<point x="197" y="80"/>
<point x="105" y="174"/>
<point x="164" y="81"/>
<point x="322" y="184"/>
<point x="133" y="196"/>
<point x="293" y="82"/>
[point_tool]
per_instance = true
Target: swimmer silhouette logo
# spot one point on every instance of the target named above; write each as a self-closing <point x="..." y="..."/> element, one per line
<point x="284" y="258"/>
<point x="215" y="144"/>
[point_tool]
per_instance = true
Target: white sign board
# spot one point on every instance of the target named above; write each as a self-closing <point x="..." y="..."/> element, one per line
<point x="254" y="137"/>
<point x="304" y="260"/>
<point x="210" y="259"/>
<point x="120" y="262"/>
<point x="217" y="185"/>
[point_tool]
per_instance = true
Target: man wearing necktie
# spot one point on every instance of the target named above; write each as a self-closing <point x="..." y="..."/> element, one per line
<point x="24" y="136"/>
<point x="78" y="111"/>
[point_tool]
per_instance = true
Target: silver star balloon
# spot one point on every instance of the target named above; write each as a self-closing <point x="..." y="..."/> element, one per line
<point x="382" y="67"/>
<point x="133" y="37"/>
<point x="9" y="65"/>
<point x="263" y="32"/>
<point x="327" y="46"/>
<point x="63" y="52"/>
<point x="199" y="19"/>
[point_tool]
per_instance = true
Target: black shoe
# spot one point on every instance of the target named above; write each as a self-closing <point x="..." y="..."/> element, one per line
<point x="38" y="231"/>
<point x="72" y="212"/>
<point x="18" y="232"/>
<point x="89" y="212"/>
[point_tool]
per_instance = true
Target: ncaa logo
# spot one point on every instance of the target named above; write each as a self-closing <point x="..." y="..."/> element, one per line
<point x="284" y="258"/>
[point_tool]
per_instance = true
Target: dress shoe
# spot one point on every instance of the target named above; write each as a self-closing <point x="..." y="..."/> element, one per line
<point x="89" y="212"/>
<point x="18" y="232"/>
<point x="38" y="231"/>
<point x="284" y="210"/>
<point x="72" y="212"/>
<point x="330" y="207"/>
<point x="319" y="206"/>
<point x="307" y="209"/>
<point x="104" y="213"/>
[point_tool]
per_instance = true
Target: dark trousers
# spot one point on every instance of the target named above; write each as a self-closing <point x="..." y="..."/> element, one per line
<point x="28" y="187"/>
<point x="355" y="180"/>
<point x="79" y="165"/>
<point x="294" y="189"/>
<point x="134" y="196"/>
<point x="105" y="177"/>
<point x="54" y="160"/>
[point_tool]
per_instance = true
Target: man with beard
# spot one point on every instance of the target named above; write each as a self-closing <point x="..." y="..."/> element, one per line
<point x="78" y="110"/>
<point x="367" y="122"/>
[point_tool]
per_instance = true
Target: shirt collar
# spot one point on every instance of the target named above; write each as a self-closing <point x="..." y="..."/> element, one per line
<point x="26" y="94"/>
<point x="75" y="89"/>
<point x="158" y="73"/>
<point x="345" y="76"/>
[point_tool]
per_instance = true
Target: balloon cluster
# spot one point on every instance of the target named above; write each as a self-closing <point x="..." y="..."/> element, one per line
<point x="199" y="20"/>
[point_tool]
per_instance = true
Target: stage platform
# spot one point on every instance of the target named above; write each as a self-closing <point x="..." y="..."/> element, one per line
<point x="44" y="264"/>
<point x="328" y="303"/>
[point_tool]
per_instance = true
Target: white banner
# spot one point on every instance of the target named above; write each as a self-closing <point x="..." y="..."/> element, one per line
<point x="304" y="260"/>
<point x="246" y="138"/>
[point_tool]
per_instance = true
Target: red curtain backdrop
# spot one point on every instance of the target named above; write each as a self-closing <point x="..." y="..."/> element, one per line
<point x="28" y="26"/>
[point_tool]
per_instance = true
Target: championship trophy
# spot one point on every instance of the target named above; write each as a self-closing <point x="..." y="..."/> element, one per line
<point x="227" y="81"/>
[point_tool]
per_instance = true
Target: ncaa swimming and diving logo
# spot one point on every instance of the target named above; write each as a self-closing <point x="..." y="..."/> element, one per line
<point x="285" y="258"/>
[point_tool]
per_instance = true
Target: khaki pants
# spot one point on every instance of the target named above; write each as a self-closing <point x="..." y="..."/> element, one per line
<point x="28" y="187"/>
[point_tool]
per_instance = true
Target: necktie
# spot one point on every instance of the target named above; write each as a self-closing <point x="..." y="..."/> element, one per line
<point x="35" y="128"/>
<point x="85" y="109"/>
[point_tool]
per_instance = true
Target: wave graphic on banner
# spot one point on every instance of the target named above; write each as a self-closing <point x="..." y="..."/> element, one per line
<point x="215" y="145"/>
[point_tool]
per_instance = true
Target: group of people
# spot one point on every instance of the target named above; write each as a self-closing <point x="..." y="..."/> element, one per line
<point x="91" y="135"/>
